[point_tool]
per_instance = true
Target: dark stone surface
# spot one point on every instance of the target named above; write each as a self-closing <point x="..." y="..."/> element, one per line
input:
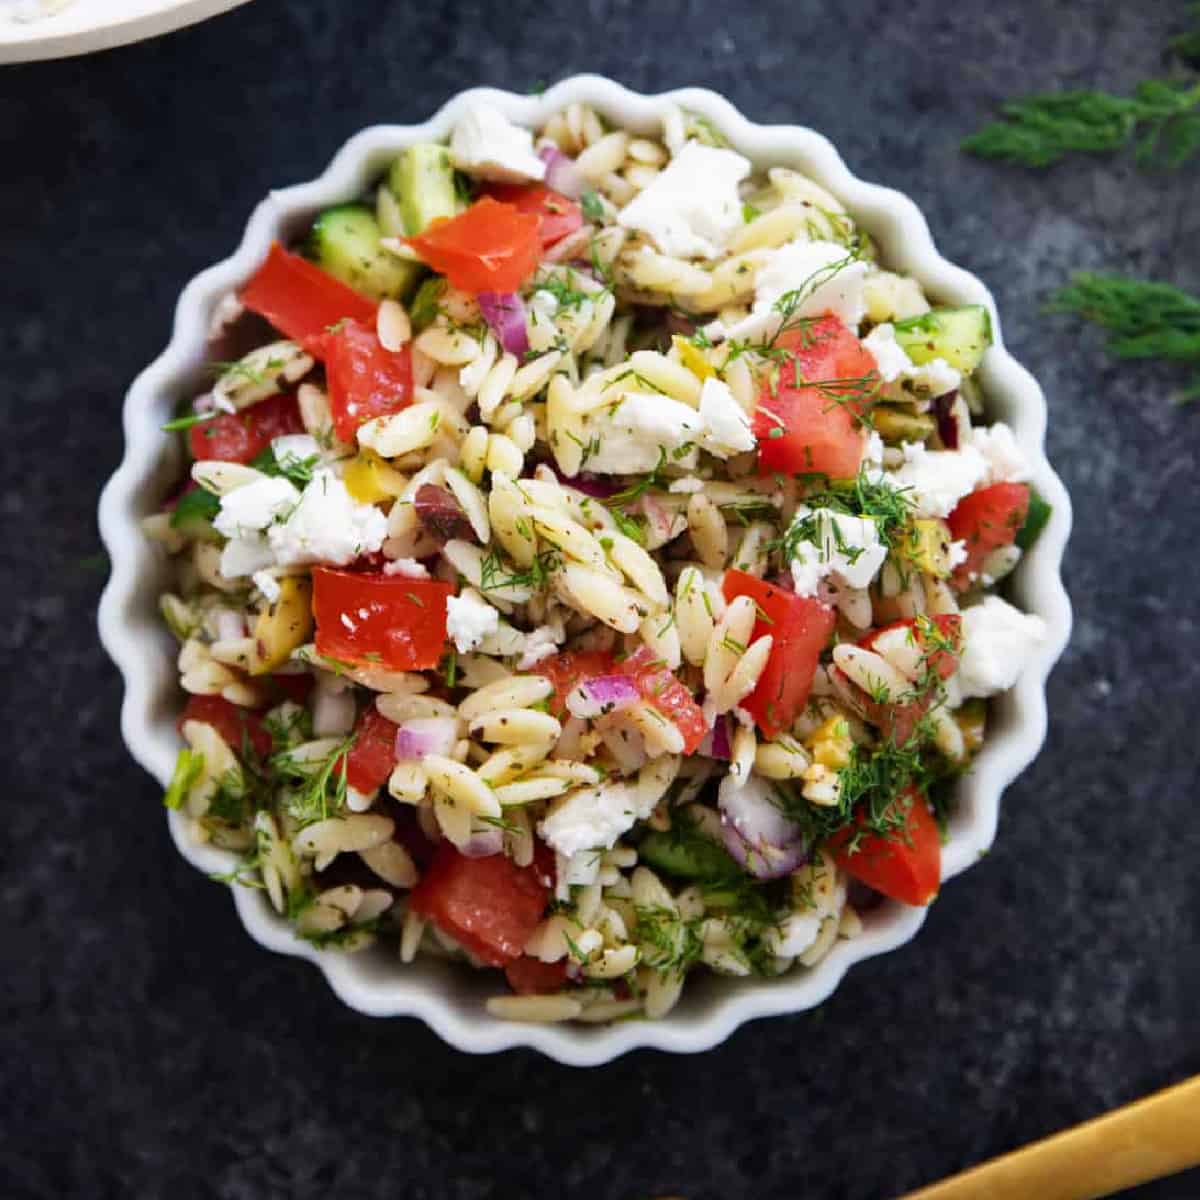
<point x="148" y="1048"/>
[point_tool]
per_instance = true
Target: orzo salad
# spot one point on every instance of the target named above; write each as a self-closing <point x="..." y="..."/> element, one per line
<point x="586" y="568"/>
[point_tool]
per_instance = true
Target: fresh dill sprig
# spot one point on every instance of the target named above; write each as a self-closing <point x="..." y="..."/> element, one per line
<point x="1160" y="119"/>
<point x="322" y="782"/>
<point x="1186" y="46"/>
<point x="668" y="943"/>
<point x="1144" y="319"/>
<point x="864" y="496"/>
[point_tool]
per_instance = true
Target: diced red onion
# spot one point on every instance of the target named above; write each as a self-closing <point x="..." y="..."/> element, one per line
<point x="441" y="514"/>
<point x="756" y="832"/>
<point x="588" y="484"/>
<point x="425" y="735"/>
<point x="505" y="314"/>
<point x="947" y="426"/>
<point x="716" y="743"/>
<point x="483" y="843"/>
<point x="561" y="173"/>
<point x="602" y="694"/>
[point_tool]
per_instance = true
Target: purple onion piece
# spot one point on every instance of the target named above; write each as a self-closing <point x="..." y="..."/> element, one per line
<point x="590" y="485"/>
<point x="751" y="810"/>
<point x="505" y="314"/>
<point x="561" y="173"/>
<point x="761" y="859"/>
<point x="716" y="743"/>
<point x="425" y="735"/>
<point x="947" y="426"/>
<point x="602" y="694"/>
<point x="441" y="515"/>
<point x="483" y="843"/>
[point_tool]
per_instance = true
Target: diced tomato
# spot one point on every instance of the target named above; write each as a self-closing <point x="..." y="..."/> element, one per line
<point x="528" y="976"/>
<point x="906" y="864"/>
<point x="365" y="380"/>
<point x="572" y="667"/>
<point x="488" y="905"/>
<point x="371" y="758"/>
<point x="380" y="620"/>
<point x="667" y="695"/>
<point x="301" y="300"/>
<point x="492" y="247"/>
<point x="237" y="726"/>
<point x="239" y="437"/>
<point x="558" y="214"/>
<point x="800" y="627"/>
<point x="807" y="420"/>
<point x="986" y="520"/>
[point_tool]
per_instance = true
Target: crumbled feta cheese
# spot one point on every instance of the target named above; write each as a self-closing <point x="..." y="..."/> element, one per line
<point x="726" y="426"/>
<point x="590" y="818"/>
<point x="254" y="506"/>
<point x="540" y="643"/>
<point x="690" y="208"/>
<point x="845" y="547"/>
<point x="292" y="449"/>
<point x="997" y="642"/>
<point x="579" y="870"/>
<point x="813" y="270"/>
<point x="469" y="620"/>
<point x="246" y="555"/>
<point x="626" y="438"/>
<point x="267" y="584"/>
<point x="408" y="567"/>
<point x="1005" y="459"/>
<point x="957" y="554"/>
<point x="486" y="145"/>
<point x="793" y="935"/>
<point x="936" y="480"/>
<point x="936" y="377"/>
<point x="327" y="525"/>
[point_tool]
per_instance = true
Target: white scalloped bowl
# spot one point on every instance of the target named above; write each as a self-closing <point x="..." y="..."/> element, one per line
<point x="451" y="999"/>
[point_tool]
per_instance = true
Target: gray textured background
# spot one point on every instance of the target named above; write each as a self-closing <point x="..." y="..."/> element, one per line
<point x="147" y="1048"/>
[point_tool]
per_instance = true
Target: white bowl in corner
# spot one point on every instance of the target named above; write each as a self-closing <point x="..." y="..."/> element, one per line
<point x="449" y="999"/>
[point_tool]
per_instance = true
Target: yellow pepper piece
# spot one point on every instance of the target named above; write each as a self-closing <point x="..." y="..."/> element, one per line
<point x="283" y="625"/>
<point x="831" y="743"/>
<point x="693" y="358"/>
<point x="369" y="479"/>
<point x="926" y="544"/>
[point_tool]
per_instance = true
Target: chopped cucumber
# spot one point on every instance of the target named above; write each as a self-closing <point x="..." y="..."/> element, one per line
<point x="1035" y="520"/>
<point x="345" y="242"/>
<point x="896" y="425"/>
<point x="959" y="335"/>
<point x="423" y="310"/>
<point x="422" y="183"/>
<point x="691" y="856"/>
<point x="194" y="514"/>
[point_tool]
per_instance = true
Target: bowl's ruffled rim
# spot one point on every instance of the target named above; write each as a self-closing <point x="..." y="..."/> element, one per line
<point x="450" y="1004"/>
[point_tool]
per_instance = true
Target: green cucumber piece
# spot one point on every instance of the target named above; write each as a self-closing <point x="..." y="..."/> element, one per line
<point x="345" y="242"/>
<point x="423" y="310"/>
<point x="959" y="335"/>
<point x="194" y="514"/>
<point x="692" y="856"/>
<point x="1035" y="520"/>
<point x="422" y="182"/>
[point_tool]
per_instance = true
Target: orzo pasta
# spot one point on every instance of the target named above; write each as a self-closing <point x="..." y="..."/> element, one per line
<point x="585" y="568"/>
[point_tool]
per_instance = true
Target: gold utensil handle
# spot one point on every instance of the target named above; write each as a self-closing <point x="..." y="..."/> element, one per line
<point x="1145" y="1140"/>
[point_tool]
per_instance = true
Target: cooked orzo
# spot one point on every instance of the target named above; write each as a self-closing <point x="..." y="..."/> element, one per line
<point x="585" y="568"/>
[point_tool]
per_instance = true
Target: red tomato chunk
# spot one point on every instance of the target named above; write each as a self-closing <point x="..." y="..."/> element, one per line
<point x="371" y="758"/>
<point x="365" y="380"/>
<point x="531" y="977"/>
<point x="238" y="727"/>
<point x="380" y="620"/>
<point x="492" y="247"/>
<point x="301" y="300"/>
<point x="567" y="670"/>
<point x="666" y="695"/>
<point x="490" y="906"/>
<point x="906" y="864"/>
<point x="557" y="215"/>
<point x="986" y="520"/>
<point x="801" y="627"/>
<point x="240" y="437"/>
<point x="807" y="422"/>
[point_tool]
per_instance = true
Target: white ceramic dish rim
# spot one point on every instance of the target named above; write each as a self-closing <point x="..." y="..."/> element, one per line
<point x="445" y="1000"/>
<point x="83" y="29"/>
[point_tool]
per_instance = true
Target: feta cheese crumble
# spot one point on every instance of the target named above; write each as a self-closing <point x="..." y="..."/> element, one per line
<point x="997" y="642"/>
<point x="255" y="506"/>
<point x="410" y="568"/>
<point x="845" y="547"/>
<point x="726" y="426"/>
<point x="626" y="437"/>
<point x="486" y="145"/>
<point x="1006" y="460"/>
<point x="825" y="275"/>
<point x="540" y="643"/>
<point x="591" y="818"/>
<point x="327" y="525"/>
<point x="936" y="480"/>
<point x="937" y="377"/>
<point x="469" y="620"/>
<point x="691" y="207"/>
